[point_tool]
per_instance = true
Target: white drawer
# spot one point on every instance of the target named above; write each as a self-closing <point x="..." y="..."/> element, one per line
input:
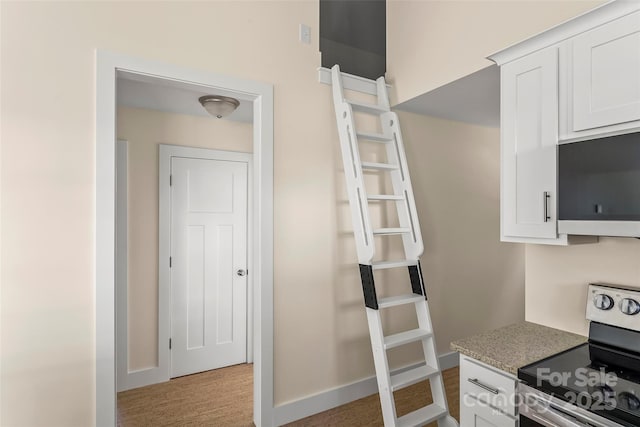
<point x="488" y="385"/>
<point x="477" y="414"/>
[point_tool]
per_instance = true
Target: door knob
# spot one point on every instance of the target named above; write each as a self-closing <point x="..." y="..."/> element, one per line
<point x="241" y="272"/>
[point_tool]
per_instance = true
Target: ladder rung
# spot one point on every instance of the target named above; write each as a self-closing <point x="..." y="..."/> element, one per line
<point x="405" y="338"/>
<point x="379" y="166"/>
<point x="399" y="300"/>
<point x="422" y="416"/>
<point x="382" y="265"/>
<point x="367" y="108"/>
<point x="384" y="197"/>
<point x="412" y="376"/>
<point x="377" y="137"/>
<point x="391" y="231"/>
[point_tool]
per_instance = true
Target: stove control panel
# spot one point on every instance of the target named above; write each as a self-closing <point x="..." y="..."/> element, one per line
<point x="614" y="305"/>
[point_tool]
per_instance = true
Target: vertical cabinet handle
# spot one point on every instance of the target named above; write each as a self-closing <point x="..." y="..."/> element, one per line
<point x="546" y="197"/>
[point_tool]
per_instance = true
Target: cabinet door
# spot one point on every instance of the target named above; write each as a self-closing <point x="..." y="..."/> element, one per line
<point x="474" y="413"/>
<point x="529" y="113"/>
<point x="606" y="74"/>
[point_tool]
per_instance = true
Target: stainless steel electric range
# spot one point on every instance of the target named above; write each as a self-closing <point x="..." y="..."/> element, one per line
<point x="596" y="384"/>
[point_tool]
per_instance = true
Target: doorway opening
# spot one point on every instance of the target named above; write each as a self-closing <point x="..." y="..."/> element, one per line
<point x="258" y="99"/>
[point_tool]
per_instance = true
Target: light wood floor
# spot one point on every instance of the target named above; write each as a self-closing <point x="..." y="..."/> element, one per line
<point x="223" y="397"/>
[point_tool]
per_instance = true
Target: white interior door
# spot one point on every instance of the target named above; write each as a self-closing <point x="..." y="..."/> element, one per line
<point x="208" y="264"/>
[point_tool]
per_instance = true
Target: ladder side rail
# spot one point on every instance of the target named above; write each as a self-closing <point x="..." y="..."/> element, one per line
<point x="436" y="383"/>
<point x="381" y="363"/>
<point x="438" y="391"/>
<point x="358" y="202"/>
<point x="336" y="86"/>
<point x="383" y="95"/>
<point x="401" y="181"/>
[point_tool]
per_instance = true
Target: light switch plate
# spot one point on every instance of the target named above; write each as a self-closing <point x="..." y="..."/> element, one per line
<point x="305" y="34"/>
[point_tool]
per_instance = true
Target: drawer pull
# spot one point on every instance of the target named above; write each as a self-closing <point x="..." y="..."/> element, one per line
<point x="490" y="389"/>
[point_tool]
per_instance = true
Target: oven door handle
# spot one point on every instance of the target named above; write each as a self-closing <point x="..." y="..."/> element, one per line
<point x="560" y="417"/>
<point x="548" y="422"/>
<point x="568" y="422"/>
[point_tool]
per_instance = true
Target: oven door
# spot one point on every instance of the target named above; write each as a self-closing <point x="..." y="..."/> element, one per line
<point x="539" y="409"/>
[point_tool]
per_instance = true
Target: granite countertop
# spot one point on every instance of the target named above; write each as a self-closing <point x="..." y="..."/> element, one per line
<point x="517" y="345"/>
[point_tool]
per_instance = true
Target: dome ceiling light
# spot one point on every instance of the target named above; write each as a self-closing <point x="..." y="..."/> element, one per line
<point x="219" y="106"/>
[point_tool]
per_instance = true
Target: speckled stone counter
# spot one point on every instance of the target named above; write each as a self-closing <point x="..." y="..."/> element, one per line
<point x="517" y="345"/>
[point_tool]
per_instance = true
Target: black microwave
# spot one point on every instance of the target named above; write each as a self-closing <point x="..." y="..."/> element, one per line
<point x="599" y="186"/>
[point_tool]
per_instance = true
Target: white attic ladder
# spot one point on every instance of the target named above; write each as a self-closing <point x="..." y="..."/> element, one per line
<point x="409" y="228"/>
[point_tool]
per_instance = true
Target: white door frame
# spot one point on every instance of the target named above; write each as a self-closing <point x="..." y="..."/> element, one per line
<point x="166" y="152"/>
<point x="108" y="65"/>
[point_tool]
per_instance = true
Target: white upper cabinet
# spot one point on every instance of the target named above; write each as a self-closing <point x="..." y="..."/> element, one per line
<point x="579" y="80"/>
<point x="529" y="133"/>
<point x="603" y="87"/>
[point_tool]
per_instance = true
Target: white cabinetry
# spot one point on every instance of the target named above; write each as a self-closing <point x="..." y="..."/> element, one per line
<point x="529" y="132"/>
<point x="579" y="80"/>
<point x="482" y="415"/>
<point x="487" y="395"/>
<point x="604" y="79"/>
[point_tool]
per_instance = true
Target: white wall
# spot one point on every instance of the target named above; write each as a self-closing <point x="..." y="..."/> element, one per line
<point x="145" y="130"/>
<point x="474" y="282"/>
<point x="48" y="52"/>
<point x="557" y="278"/>
<point x="431" y="43"/>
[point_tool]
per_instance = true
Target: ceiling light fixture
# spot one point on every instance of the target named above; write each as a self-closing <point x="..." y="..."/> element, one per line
<point x="219" y="106"/>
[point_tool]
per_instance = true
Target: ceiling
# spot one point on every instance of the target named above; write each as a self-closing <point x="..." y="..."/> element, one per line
<point x="471" y="99"/>
<point x="139" y="91"/>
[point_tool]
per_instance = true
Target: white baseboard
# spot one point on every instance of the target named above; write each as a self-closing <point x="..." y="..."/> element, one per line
<point x="332" y="398"/>
<point x="140" y="378"/>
